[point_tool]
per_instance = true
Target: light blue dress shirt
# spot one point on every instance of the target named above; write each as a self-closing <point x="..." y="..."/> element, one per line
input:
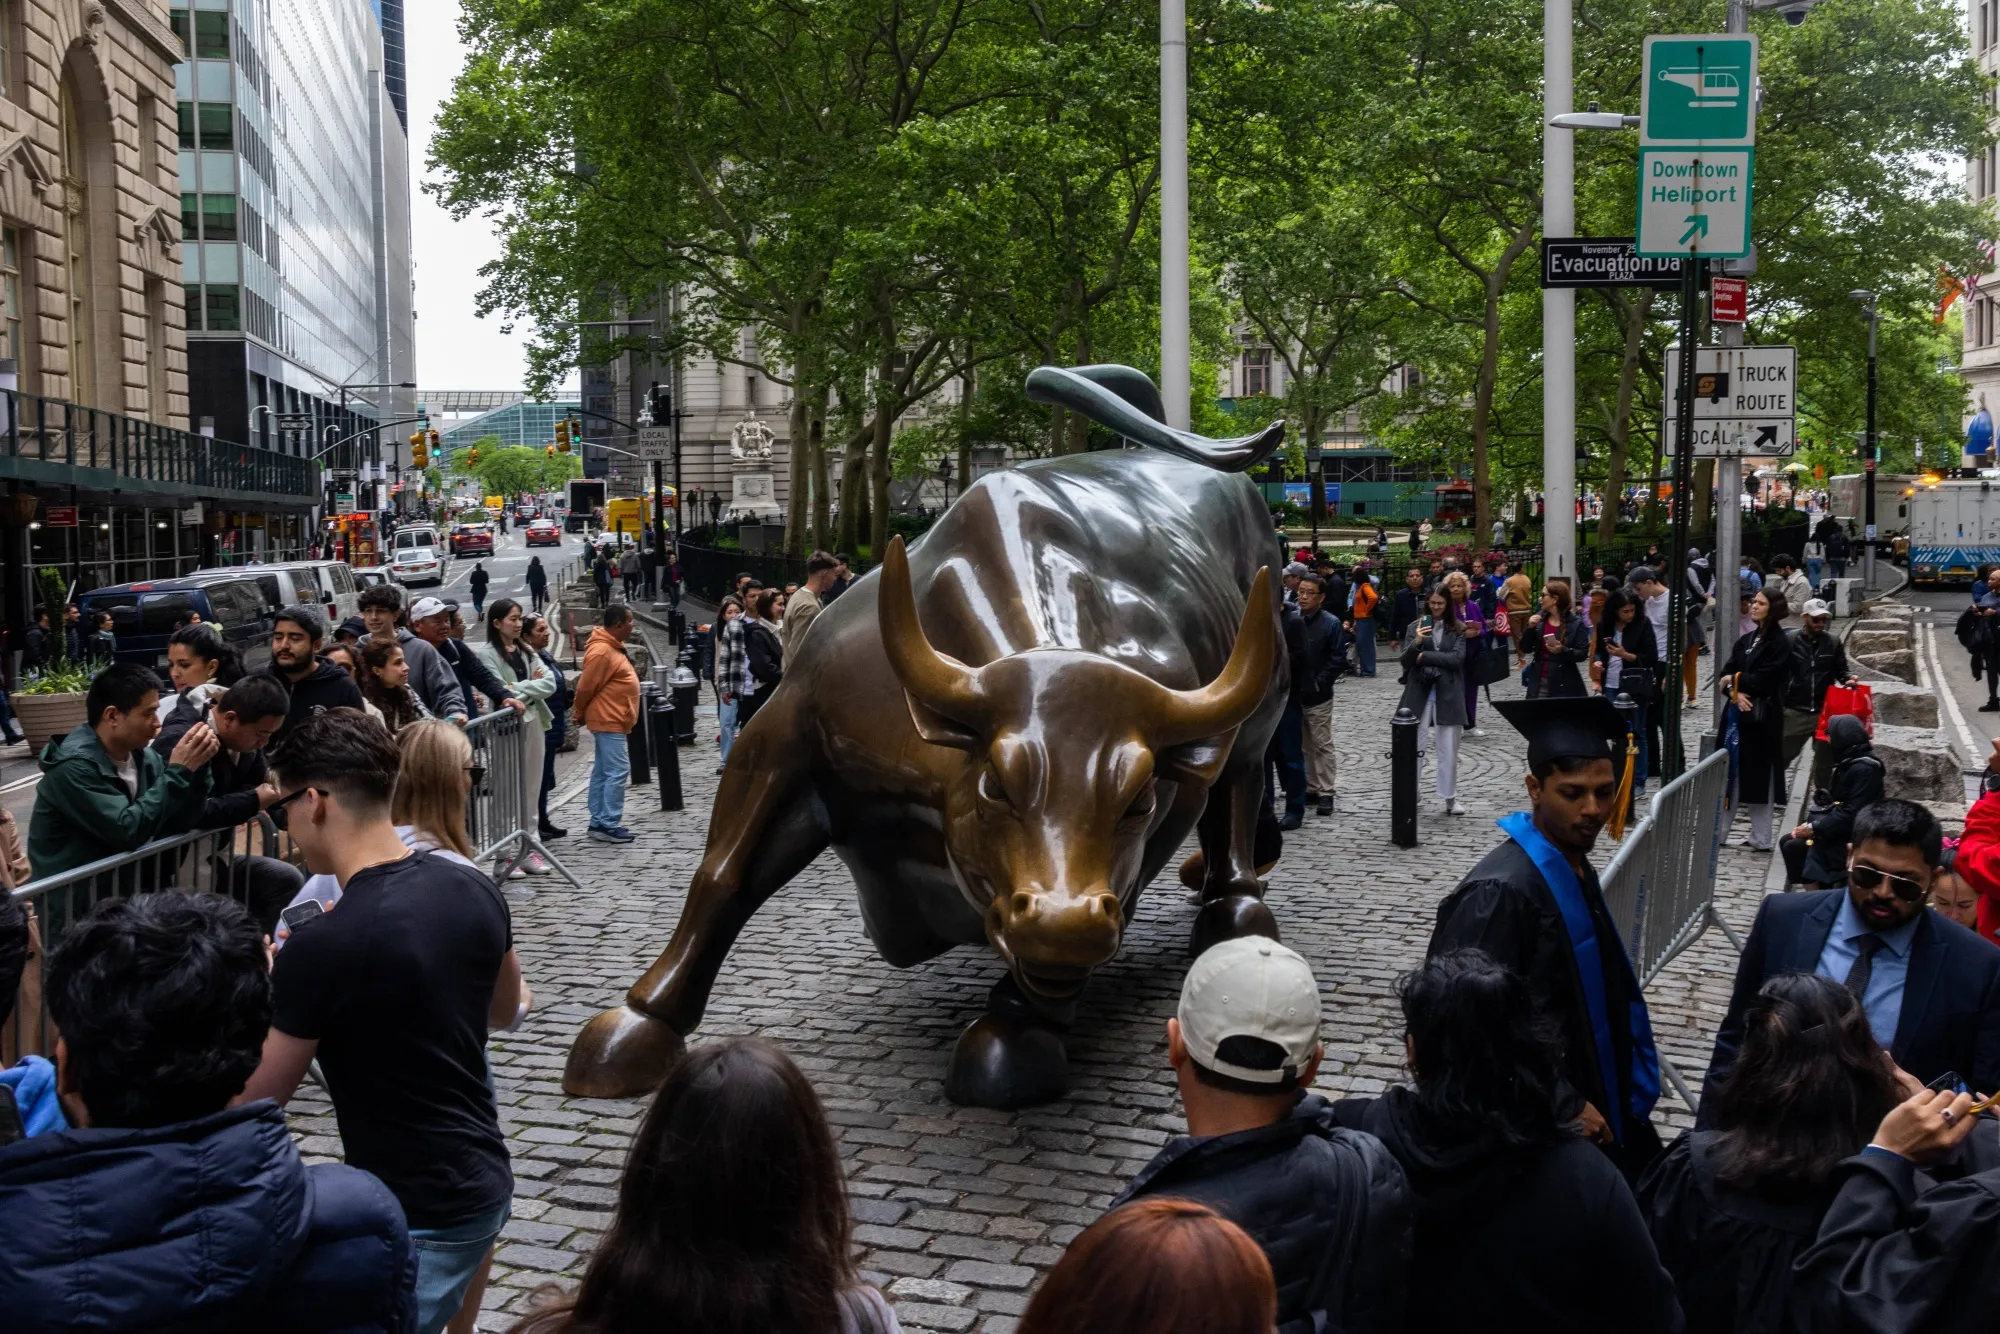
<point x="1884" y="999"/>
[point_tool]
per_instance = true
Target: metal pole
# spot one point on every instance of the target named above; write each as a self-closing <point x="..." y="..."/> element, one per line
<point x="1558" y="305"/>
<point x="1868" y="515"/>
<point x="1728" y="555"/>
<point x="1670" y="740"/>
<point x="1175" y="366"/>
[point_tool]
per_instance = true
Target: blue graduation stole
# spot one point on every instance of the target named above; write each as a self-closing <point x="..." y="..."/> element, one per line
<point x="1642" y="1080"/>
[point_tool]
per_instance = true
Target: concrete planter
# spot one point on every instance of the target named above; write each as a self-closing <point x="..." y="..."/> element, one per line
<point x="45" y="716"/>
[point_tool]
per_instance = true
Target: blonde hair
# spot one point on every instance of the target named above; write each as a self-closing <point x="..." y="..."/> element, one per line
<point x="432" y="785"/>
<point x="1457" y="582"/>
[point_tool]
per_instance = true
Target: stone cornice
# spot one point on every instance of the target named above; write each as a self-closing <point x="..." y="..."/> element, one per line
<point x="149" y="30"/>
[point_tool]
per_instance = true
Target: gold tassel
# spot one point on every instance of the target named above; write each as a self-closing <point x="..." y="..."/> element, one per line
<point x="1622" y="803"/>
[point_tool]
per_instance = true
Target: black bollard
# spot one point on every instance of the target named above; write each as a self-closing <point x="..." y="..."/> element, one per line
<point x="659" y="716"/>
<point x="635" y="741"/>
<point x="1403" y="779"/>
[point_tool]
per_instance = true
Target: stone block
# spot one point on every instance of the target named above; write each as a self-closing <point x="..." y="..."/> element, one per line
<point x="1896" y="706"/>
<point x="1882" y="625"/>
<point x="1919" y="764"/>
<point x="1900" y="665"/>
<point x="1864" y="642"/>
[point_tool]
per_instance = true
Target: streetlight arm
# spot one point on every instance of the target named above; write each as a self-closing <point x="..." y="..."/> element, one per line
<point x="1593" y="120"/>
<point x="378" y="426"/>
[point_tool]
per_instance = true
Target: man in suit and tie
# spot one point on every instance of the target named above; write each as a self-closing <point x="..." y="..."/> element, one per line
<point x="1931" y="988"/>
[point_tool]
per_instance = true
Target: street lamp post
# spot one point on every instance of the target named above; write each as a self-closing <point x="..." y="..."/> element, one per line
<point x="1175" y="359"/>
<point x="1558" y="303"/>
<point x="1868" y="452"/>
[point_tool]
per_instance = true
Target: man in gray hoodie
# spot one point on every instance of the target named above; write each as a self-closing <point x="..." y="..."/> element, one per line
<point x="431" y="676"/>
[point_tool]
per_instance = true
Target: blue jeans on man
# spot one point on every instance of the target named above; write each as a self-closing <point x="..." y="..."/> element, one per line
<point x="1364" y="644"/>
<point x="1288" y="752"/>
<point x="610" y="771"/>
<point x="448" y="1259"/>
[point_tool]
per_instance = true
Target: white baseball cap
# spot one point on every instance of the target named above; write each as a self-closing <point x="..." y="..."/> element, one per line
<point x="1250" y="987"/>
<point x="426" y="607"/>
<point x="1816" y="607"/>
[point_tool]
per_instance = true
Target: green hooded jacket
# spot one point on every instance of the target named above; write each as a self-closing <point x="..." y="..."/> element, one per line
<point x="83" y="812"/>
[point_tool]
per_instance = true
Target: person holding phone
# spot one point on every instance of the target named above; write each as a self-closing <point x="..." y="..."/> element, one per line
<point x="1434" y="689"/>
<point x="1556" y="644"/>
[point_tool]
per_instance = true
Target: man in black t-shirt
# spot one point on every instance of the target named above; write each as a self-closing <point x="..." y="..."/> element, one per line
<point x="394" y="990"/>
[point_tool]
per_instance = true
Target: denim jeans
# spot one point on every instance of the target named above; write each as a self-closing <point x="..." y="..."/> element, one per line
<point x="448" y="1259"/>
<point x="1364" y="644"/>
<point x="551" y="741"/>
<point x="1813" y="566"/>
<point x="1287" y="752"/>
<point x="8" y="727"/>
<point x="610" y="770"/>
<point x="725" y="717"/>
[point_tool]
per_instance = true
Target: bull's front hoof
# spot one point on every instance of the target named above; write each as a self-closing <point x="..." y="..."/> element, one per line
<point x="1228" y="917"/>
<point x="621" y="1054"/>
<point x="1007" y="1063"/>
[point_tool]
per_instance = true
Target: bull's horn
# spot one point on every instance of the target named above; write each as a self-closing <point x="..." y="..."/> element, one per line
<point x="932" y="678"/>
<point x="1239" y="687"/>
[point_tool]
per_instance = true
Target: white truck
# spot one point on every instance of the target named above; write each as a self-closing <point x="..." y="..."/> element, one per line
<point x="1892" y="501"/>
<point x="1954" y="529"/>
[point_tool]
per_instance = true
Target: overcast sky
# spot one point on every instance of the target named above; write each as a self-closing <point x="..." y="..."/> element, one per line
<point x="455" y="348"/>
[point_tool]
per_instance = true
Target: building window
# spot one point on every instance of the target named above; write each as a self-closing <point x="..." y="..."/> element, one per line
<point x="218" y="217"/>
<point x="190" y="218"/>
<point x="10" y="301"/>
<point x="186" y="116"/>
<point x="8" y="43"/>
<point x="156" y="349"/>
<point x="211" y="35"/>
<point x="217" y="121"/>
<point x="1256" y="372"/>
<point x="149" y="138"/>
<point x="224" y="311"/>
<point x="192" y="293"/>
<point x="76" y="244"/>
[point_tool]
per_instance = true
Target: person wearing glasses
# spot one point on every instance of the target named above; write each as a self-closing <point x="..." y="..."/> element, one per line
<point x="1931" y="988"/>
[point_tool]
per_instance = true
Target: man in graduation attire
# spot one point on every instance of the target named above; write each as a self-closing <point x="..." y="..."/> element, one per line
<point x="1534" y="904"/>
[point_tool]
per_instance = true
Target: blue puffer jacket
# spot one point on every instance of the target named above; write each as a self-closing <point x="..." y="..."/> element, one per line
<point x="209" y="1225"/>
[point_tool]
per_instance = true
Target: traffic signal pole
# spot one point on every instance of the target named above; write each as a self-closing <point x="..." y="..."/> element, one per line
<point x="1673" y="761"/>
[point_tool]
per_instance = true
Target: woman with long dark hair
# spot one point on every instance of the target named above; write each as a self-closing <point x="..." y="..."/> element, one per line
<point x="201" y="666"/>
<point x="1157" y="1266"/>
<point x="1755" y="676"/>
<point x="522" y="670"/>
<point x="1433" y="690"/>
<point x="1628" y="664"/>
<point x="763" y="651"/>
<point x="732" y="1213"/>
<point x="1731" y="1206"/>
<point x="384" y="679"/>
<point x="1557" y="643"/>
<point x="1517" y="1215"/>
<point x="731" y="667"/>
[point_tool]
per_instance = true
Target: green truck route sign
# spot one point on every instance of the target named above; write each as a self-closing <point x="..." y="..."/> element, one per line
<point x="1697" y="154"/>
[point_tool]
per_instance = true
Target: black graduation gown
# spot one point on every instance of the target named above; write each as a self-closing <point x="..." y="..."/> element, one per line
<point x="1504" y="907"/>
<point x="1892" y="1259"/>
<point x="1730" y="1250"/>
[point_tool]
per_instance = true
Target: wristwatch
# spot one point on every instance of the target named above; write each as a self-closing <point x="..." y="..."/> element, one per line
<point x="1990" y="783"/>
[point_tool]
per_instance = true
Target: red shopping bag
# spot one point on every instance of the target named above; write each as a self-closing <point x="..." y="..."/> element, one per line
<point x="1857" y="699"/>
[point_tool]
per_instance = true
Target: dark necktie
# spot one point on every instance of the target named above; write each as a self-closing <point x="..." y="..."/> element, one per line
<point x="1864" y="964"/>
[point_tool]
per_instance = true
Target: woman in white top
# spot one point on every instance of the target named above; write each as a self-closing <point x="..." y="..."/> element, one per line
<point x="524" y="672"/>
<point x="201" y="667"/>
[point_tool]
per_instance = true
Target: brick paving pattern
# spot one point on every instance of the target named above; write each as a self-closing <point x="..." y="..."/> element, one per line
<point x="959" y="1211"/>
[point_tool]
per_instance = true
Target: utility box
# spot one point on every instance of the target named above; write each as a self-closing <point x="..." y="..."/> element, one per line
<point x="1847" y="597"/>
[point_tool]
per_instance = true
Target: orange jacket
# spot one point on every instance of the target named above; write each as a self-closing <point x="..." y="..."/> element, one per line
<point x="607" y="693"/>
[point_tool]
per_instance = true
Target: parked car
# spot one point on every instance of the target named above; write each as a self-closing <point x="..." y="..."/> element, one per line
<point x="366" y="579"/>
<point x="544" y="533"/>
<point x="472" y="539"/>
<point x="416" y="558"/>
<point x="525" y="513"/>
<point x="236" y="601"/>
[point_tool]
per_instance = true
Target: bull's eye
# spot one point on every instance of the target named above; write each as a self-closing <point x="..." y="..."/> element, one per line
<point x="1143" y="804"/>
<point x="992" y="791"/>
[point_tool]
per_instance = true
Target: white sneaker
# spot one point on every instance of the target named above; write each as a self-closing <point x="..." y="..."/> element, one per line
<point x="1475" y="731"/>
<point x="535" y="865"/>
<point x="516" y="873"/>
<point x="1451" y="807"/>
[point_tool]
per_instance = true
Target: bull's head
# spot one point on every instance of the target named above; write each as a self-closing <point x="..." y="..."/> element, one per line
<point x="1047" y="816"/>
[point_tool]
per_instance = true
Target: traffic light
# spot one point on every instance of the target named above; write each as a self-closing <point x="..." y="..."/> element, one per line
<point x="562" y="435"/>
<point x="663" y="405"/>
<point x="472" y="456"/>
<point x="434" y="441"/>
<point x="551" y="450"/>
<point x="419" y="455"/>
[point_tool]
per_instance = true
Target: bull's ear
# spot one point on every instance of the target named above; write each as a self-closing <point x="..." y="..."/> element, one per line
<point x="939" y="730"/>
<point x="1195" y="761"/>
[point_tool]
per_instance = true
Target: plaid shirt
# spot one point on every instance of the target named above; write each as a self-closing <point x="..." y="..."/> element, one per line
<point x="732" y="664"/>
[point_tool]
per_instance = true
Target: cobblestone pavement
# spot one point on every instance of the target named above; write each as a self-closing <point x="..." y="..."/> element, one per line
<point x="960" y="1210"/>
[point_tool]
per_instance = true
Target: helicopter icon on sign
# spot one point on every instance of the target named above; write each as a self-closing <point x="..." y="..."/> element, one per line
<point x="1710" y="88"/>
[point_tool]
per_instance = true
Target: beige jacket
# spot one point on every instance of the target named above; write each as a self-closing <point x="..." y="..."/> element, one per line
<point x="800" y="609"/>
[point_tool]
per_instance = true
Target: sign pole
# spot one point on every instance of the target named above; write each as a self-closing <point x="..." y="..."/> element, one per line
<point x="1728" y="554"/>
<point x="1558" y="307"/>
<point x="1673" y="760"/>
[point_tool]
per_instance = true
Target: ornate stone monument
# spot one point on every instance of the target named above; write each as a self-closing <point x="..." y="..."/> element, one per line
<point x="753" y="485"/>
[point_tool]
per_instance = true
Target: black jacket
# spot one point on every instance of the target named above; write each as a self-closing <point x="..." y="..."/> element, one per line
<point x="766" y="656"/>
<point x="1763" y="668"/>
<point x="1328" y="1205"/>
<point x="1818" y="661"/>
<point x="232" y="780"/>
<point x="1558" y="673"/>
<point x="1951" y="999"/>
<point x="537" y="577"/>
<point x="1405" y="607"/>
<point x="1543" y="1238"/>
<point x="1639" y="678"/>
<point x="1837" y="545"/>
<point x="473" y="674"/>
<point x="478" y="580"/>
<point x="1323" y="642"/>
<point x="1729" y="1249"/>
<point x="1858" y="780"/>
<point x="1504" y="907"/>
<point x="1888" y="1259"/>
<point x="325" y="687"/>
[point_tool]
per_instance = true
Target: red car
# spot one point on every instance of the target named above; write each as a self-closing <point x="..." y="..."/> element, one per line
<point x="472" y="539"/>
<point x="544" y="533"/>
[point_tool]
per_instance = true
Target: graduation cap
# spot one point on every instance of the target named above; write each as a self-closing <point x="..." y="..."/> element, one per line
<point x="1586" y="726"/>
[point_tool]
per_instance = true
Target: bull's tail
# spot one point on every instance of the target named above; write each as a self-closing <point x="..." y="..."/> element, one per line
<point x="1125" y="400"/>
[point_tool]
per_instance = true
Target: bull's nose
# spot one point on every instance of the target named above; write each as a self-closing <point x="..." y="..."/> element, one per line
<point x="1045" y="928"/>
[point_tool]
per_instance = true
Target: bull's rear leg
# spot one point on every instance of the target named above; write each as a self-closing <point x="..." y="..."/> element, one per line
<point x="1232" y="899"/>
<point x="767" y="826"/>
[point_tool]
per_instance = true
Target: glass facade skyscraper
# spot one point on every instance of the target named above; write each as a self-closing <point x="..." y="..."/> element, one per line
<point x="295" y="210"/>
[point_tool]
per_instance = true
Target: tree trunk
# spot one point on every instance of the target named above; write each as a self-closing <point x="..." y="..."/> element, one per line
<point x="819" y="477"/>
<point x="796" y="510"/>
<point x="1635" y="314"/>
<point x="1482" y="415"/>
<point x="1653" y="491"/>
<point x="853" y="474"/>
<point x="1076" y="439"/>
<point x="885" y="420"/>
<point x="967" y="385"/>
<point x="1701" y="526"/>
<point x="1309" y="429"/>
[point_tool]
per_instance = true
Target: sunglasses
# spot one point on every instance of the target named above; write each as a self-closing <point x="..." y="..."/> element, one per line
<point x="1868" y="879"/>
<point x="291" y="797"/>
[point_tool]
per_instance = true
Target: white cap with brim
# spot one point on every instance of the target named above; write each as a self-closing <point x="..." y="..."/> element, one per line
<point x="1256" y="988"/>
<point x="426" y="607"/>
<point x="1816" y="607"/>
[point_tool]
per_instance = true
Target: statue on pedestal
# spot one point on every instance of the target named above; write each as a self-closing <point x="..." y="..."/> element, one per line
<point x="750" y="440"/>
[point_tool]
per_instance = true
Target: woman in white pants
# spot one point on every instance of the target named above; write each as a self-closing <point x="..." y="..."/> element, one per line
<point x="1434" y="689"/>
<point x="524" y="672"/>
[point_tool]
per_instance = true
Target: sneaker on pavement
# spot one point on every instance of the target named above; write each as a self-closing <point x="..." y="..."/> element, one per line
<point x="549" y="832"/>
<point x="619" y="835"/>
<point x="536" y="866"/>
<point x="1292" y="820"/>
<point x="597" y="833"/>
<point x="1452" y="807"/>
<point x="1326" y="804"/>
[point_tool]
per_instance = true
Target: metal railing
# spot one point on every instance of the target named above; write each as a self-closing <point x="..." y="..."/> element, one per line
<point x="53" y="430"/>
<point x="500" y="812"/>
<point x="1660" y="887"/>
<point x="215" y="860"/>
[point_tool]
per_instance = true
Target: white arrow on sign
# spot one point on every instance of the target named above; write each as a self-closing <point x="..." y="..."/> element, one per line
<point x="1739" y="439"/>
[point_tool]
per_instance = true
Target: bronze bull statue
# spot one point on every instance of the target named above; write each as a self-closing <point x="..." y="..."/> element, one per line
<point x="1005" y="734"/>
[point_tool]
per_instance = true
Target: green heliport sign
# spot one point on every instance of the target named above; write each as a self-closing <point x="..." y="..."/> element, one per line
<point x="1699" y="91"/>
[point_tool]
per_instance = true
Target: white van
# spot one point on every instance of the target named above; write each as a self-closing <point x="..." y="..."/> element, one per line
<point x="417" y="557"/>
<point x="326" y="584"/>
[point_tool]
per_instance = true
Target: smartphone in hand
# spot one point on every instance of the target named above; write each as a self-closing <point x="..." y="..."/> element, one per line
<point x="299" y="914"/>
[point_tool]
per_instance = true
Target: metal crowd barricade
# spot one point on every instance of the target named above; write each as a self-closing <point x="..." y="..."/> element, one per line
<point x="214" y="860"/>
<point x="1660" y="887"/>
<point x="499" y="817"/>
